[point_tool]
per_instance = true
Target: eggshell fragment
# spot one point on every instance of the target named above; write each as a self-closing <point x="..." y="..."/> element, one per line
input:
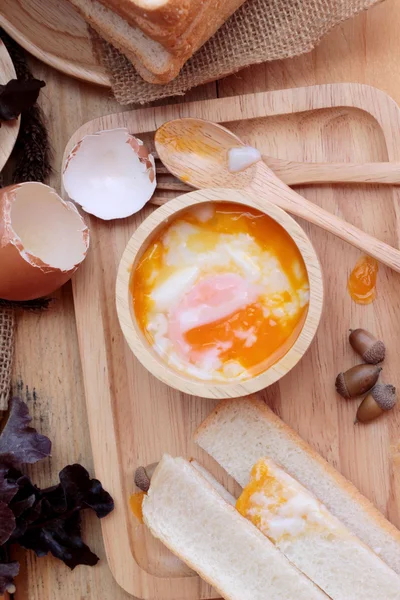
<point x="111" y="174"/>
<point x="43" y="240"/>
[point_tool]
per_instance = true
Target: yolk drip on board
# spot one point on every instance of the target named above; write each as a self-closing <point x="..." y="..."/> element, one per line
<point x="362" y="281"/>
<point x="135" y="503"/>
<point x="221" y="293"/>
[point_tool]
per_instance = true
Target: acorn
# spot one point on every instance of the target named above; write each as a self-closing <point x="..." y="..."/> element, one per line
<point x="357" y="380"/>
<point x="143" y="476"/>
<point x="370" y="349"/>
<point x="381" y="399"/>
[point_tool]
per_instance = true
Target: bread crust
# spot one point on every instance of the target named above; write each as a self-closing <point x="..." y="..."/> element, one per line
<point x="170" y="18"/>
<point x="372" y="516"/>
<point x="130" y="41"/>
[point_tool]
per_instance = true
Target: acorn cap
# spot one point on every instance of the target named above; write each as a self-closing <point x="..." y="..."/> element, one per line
<point x="384" y="395"/>
<point x="341" y="387"/>
<point x="370" y="349"/>
<point x="375" y="354"/>
<point x="143" y="476"/>
<point x="142" y="480"/>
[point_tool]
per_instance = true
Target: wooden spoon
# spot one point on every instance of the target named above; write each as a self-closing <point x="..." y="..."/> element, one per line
<point x="196" y="152"/>
<point x="299" y="173"/>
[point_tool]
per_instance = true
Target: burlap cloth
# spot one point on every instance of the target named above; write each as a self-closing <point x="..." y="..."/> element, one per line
<point x="261" y="30"/>
<point x="6" y="354"/>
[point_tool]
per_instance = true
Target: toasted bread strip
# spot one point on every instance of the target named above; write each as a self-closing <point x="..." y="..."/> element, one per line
<point x="309" y="536"/>
<point x="241" y="431"/>
<point x="186" y="513"/>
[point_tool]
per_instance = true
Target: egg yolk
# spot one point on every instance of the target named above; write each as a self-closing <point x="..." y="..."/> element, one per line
<point x="281" y="507"/>
<point x="135" y="503"/>
<point x="261" y="481"/>
<point x="221" y="292"/>
<point x="362" y="280"/>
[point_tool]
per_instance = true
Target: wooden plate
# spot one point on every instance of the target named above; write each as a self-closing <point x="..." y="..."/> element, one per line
<point x="134" y="418"/>
<point x="53" y="31"/>
<point x="9" y="130"/>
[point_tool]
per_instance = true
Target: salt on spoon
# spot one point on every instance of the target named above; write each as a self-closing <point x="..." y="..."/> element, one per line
<point x="242" y="157"/>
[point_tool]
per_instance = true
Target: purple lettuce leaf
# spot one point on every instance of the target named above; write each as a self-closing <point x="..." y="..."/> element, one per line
<point x="7" y="523"/>
<point x="8" y="570"/>
<point x="8" y="489"/>
<point x="81" y="491"/>
<point x="62" y="537"/>
<point x="20" y="441"/>
<point x="46" y="520"/>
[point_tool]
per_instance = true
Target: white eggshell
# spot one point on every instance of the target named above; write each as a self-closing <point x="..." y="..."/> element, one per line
<point x="110" y="174"/>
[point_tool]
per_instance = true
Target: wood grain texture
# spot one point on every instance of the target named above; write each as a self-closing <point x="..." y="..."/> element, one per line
<point x="53" y="31"/>
<point x="365" y="50"/>
<point x="320" y="123"/>
<point x="301" y="173"/>
<point x="8" y="130"/>
<point x="133" y="253"/>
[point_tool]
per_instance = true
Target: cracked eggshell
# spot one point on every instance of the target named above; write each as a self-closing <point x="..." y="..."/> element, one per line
<point x="111" y="174"/>
<point x="43" y="240"/>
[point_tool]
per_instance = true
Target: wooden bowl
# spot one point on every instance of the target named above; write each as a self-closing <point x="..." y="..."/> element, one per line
<point x="137" y="341"/>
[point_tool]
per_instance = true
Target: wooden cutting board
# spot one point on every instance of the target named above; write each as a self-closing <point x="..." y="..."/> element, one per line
<point x="8" y="130"/>
<point x="55" y="33"/>
<point x="134" y="418"/>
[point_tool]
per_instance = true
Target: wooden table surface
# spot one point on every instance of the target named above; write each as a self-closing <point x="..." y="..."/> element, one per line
<point x="47" y="365"/>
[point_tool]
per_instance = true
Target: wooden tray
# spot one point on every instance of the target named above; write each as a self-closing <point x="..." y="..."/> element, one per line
<point x="9" y="130"/>
<point x="55" y="33"/>
<point x="134" y="418"/>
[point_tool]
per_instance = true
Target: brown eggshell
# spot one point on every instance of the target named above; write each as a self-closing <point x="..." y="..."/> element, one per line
<point x="23" y="274"/>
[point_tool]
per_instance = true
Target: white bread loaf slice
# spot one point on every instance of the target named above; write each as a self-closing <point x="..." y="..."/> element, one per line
<point x="167" y="18"/>
<point x="317" y="543"/>
<point x="186" y="513"/>
<point x="241" y="431"/>
<point x="152" y="61"/>
<point x="184" y="25"/>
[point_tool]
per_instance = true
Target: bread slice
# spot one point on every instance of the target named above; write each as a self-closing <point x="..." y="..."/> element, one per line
<point x="167" y="18"/>
<point x="241" y="431"/>
<point x="195" y="22"/>
<point x="152" y="61"/>
<point x="155" y="63"/>
<point x="313" y="539"/>
<point x="223" y="492"/>
<point x="308" y="535"/>
<point x="185" y="512"/>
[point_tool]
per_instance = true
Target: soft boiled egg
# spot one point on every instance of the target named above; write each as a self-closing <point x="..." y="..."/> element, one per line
<point x="221" y="293"/>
